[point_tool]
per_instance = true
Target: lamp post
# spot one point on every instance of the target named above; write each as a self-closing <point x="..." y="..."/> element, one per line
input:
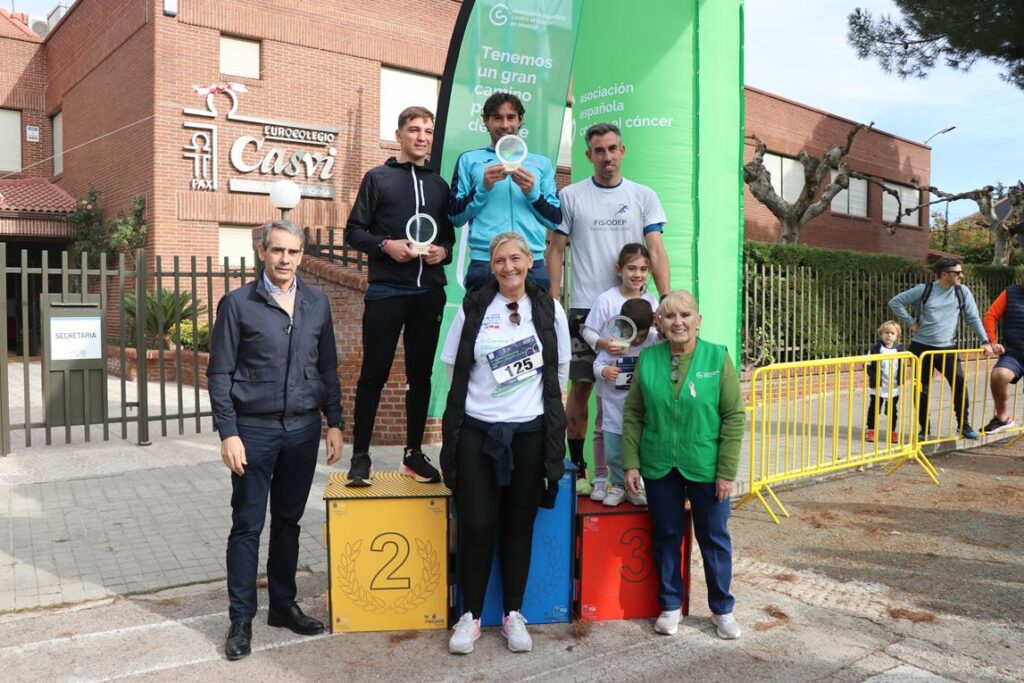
<point x="285" y="196"/>
<point x="945" y="229"/>
<point x="938" y="132"/>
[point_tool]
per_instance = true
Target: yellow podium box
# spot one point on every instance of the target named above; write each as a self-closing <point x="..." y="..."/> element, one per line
<point x="387" y="549"/>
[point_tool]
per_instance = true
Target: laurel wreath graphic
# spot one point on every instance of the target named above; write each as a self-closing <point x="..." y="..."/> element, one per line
<point x="362" y="597"/>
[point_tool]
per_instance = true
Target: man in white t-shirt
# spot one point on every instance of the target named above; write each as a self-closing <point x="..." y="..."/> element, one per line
<point x="600" y="215"/>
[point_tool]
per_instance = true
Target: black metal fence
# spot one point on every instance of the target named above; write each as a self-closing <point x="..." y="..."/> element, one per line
<point x="156" y="322"/>
<point x="332" y="250"/>
<point x="795" y="313"/>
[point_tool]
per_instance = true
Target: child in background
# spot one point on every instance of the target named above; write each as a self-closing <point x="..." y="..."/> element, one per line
<point x="884" y="381"/>
<point x="614" y="376"/>
<point x="632" y="267"/>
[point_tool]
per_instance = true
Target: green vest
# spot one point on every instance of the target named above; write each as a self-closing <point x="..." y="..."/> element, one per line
<point x="680" y="432"/>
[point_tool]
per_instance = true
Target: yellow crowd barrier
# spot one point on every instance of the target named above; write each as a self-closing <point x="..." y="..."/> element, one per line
<point x="807" y="420"/>
<point x="815" y="417"/>
<point x="953" y="393"/>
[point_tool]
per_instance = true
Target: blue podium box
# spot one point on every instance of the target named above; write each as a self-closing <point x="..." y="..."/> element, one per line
<point x="549" y="587"/>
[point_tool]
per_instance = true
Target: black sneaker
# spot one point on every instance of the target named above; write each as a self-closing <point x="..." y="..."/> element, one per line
<point x="996" y="425"/>
<point x="417" y="465"/>
<point x="360" y="472"/>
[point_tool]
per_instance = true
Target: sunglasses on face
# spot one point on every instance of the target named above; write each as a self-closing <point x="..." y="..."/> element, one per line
<point x="956" y="273"/>
<point x="513" y="316"/>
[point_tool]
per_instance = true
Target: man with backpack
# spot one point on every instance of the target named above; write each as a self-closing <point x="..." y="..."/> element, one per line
<point x="938" y="306"/>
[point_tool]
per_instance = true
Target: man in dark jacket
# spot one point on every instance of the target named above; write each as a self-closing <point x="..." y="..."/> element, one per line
<point x="406" y="288"/>
<point x="273" y="370"/>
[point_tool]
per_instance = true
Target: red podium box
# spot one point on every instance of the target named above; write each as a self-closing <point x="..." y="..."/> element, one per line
<point x="616" y="574"/>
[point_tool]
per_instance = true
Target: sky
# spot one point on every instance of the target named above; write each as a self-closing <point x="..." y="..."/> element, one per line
<point x="798" y="49"/>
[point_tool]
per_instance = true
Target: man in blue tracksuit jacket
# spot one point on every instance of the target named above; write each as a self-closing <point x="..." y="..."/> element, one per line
<point x="273" y="371"/>
<point x="493" y="201"/>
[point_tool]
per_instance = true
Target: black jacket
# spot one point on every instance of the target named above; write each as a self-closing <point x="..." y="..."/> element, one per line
<point x="388" y="197"/>
<point x="475" y="305"/>
<point x="265" y="372"/>
<point x="872" y="366"/>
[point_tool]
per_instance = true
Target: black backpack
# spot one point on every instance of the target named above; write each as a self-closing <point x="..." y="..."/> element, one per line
<point x="957" y="290"/>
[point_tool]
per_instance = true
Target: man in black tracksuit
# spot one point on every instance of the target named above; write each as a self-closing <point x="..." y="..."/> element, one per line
<point x="406" y="289"/>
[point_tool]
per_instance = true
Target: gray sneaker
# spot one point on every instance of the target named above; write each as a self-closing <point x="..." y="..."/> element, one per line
<point x="727" y="627"/>
<point x="667" y="623"/>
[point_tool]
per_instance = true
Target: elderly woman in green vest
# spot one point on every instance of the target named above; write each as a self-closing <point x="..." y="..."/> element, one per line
<point x="681" y="430"/>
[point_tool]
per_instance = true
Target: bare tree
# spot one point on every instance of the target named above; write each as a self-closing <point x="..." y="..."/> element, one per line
<point x="793" y="216"/>
<point x="1003" y="229"/>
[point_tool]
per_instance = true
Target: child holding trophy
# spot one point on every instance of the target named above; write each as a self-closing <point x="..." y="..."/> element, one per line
<point x="608" y="331"/>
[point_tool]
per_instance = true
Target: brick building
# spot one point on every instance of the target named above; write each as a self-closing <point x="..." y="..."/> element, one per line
<point x="112" y="92"/>
<point x="197" y="106"/>
<point x="855" y="219"/>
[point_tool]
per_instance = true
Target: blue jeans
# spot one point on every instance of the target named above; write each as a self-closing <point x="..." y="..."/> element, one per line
<point x="479" y="273"/>
<point x="665" y="500"/>
<point x="280" y="467"/>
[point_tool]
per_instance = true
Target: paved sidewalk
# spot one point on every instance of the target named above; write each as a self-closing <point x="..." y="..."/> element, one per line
<point x="88" y="521"/>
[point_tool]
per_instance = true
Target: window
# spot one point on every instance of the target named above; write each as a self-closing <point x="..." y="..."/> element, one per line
<point x="58" y="143"/>
<point x="787" y="176"/>
<point x="909" y="197"/>
<point x="852" y="201"/>
<point x="240" y="57"/>
<point x="10" y="140"/>
<point x="235" y="244"/>
<point x="565" y="146"/>
<point x="400" y="89"/>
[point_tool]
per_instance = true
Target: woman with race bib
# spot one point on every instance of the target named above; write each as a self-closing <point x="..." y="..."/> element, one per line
<point x="503" y="430"/>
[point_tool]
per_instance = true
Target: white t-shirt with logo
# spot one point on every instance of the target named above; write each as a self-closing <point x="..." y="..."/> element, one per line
<point x="510" y="352"/>
<point x="599" y="222"/>
<point x="607" y="305"/>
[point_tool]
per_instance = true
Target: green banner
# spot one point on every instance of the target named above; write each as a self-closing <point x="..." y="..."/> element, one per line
<point x="675" y="89"/>
<point x="520" y="46"/>
<point x="669" y="73"/>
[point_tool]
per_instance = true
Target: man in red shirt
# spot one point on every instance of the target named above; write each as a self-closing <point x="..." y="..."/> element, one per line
<point x="1008" y="307"/>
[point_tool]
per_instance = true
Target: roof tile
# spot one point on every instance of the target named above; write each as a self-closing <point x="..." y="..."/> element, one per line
<point x="36" y="195"/>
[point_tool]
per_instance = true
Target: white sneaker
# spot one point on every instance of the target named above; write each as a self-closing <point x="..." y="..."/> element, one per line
<point x="637" y="498"/>
<point x="615" y="496"/>
<point x="464" y="635"/>
<point x="667" y="623"/>
<point x="726" y="625"/>
<point x="600" y="489"/>
<point x="513" y="627"/>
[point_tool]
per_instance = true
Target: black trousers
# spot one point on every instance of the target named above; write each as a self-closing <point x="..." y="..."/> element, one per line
<point x="418" y="319"/>
<point x="280" y="467"/>
<point x="953" y="371"/>
<point x="488" y="513"/>
<point x="886" y="406"/>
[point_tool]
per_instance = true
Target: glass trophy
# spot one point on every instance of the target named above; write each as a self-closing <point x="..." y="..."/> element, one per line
<point x="511" y="152"/>
<point x="621" y="330"/>
<point x="421" y="231"/>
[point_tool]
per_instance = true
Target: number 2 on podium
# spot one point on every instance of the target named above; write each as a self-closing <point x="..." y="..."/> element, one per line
<point x="399" y="546"/>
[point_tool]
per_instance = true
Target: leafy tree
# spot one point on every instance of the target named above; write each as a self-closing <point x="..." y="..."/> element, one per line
<point x="123" y="233"/>
<point x="958" y="32"/>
